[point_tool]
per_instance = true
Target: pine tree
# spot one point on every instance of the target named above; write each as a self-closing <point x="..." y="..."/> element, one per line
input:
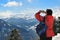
<point x="14" y="35"/>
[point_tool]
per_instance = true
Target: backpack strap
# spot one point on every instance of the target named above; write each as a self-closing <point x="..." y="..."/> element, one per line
<point x="43" y="19"/>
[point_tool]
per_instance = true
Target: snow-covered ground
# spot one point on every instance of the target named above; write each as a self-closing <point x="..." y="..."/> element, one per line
<point x="57" y="37"/>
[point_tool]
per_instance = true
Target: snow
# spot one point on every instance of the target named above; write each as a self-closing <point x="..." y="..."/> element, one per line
<point x="56" y="12"/>
<point x="18" y="26"/>
<point x="4" y="24"/>
<point x="31" y="28"/>
<point x="5" y="35"/>
<point x="57" y="37"/>
<point x="26" y="26"/>
<point x="9" y="29"/>
<point x="9" y="24"/>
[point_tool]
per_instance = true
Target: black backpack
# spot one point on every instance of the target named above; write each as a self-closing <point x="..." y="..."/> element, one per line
<point x="56" y="27"/>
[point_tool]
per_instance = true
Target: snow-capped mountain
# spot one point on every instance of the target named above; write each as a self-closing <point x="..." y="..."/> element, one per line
<point x="27" y="14"/>
<point x="25" y="23"/>
<point x="56" y="12"/>
<point x="5" y="28"/>
<point x="22" y="22"/>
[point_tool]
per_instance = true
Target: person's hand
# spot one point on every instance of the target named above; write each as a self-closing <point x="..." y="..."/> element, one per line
<point x="42" y="11"/>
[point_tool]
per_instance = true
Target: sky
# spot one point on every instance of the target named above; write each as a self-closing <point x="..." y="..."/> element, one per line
<point x="12" y="7"/>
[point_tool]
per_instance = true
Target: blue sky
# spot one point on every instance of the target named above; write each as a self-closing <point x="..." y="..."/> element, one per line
<point x="30" y="4"/>
<point x="17" y="6"/>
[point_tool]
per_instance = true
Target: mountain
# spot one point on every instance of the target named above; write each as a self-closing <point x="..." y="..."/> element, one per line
<point x="6" y="27"/>
<point x="22" y="22"/>
<point x="56" y="12"/>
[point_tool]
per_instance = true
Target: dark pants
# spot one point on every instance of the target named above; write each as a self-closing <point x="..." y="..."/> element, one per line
<point x="43" y="37"/>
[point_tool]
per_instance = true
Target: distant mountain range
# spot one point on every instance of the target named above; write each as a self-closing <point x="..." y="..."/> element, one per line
<point x="22" y="22"/>
<point x="6" y="25"/>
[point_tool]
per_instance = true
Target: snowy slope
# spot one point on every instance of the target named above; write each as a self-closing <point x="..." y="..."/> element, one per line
<point x="57" y="37"/>
<point x="5" y="28"/>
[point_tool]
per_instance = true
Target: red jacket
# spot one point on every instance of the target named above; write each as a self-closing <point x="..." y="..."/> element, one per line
<point x="48" y="21"/>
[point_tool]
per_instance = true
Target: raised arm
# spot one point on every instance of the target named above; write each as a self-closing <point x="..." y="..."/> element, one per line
<point x="38" y="16"/>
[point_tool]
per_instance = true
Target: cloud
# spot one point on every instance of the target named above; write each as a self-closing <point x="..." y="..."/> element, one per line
<point x="13" y="3"/>
<point x="27" y="13"/>
<point x="29" y="0"/>
<point x="5" y="14"/>
<point x="20" y="3"/>
<point x="56" y="12"/>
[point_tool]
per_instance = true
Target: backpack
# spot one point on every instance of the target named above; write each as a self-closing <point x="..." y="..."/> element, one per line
<point x="41" y="28"/>
<point x="56" y="27"/>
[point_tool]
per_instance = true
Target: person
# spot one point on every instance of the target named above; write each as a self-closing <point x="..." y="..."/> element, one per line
<point x="49" y="20"/>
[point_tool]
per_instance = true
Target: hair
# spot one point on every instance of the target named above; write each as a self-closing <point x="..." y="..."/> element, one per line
<point x="49" y="12"/>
